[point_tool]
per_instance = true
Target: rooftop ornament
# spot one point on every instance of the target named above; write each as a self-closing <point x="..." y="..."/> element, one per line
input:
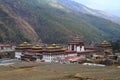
<point x="25" y="44"/>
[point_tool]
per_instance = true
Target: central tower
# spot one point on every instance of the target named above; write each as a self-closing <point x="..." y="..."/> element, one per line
<point x="76" y="45"/>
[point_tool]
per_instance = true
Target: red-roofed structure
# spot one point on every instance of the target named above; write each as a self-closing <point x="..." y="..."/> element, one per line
<point x="76" y="47"/>
<point x="104" y="48"/>
<point x="51" y="53"/>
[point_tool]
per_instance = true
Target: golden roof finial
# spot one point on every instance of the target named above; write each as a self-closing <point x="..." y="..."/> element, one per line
<point x="25" y="44"/>
<point x="105" y="42"/>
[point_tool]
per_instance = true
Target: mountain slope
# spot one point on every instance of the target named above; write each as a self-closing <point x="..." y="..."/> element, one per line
<point x="75" y="6"/>
<point x="13" y="28"/>
<point x="52" y="22"/>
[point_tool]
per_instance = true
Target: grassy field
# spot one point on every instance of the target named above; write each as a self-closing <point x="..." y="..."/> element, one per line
<point x="47" y="71"/>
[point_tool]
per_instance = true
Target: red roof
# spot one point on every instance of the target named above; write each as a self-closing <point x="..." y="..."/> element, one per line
<point x="76" y="40"/>
<point x="71" y="52"/>
<point x="73" y="58"/>
<point x="89" y="47"/>
<point x="5" y="45"/>
<point x="104" y="45"/>
<point x="34" y="51"/>
<point x="58" y="50"/>
<point x="87" y="51"/>
<point x="23" y="47"/>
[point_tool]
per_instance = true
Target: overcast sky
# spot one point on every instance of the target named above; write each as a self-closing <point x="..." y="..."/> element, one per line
<point x="111" y="6"/>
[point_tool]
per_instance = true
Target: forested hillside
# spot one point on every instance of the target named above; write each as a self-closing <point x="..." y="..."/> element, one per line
<point x="51" y="22"/>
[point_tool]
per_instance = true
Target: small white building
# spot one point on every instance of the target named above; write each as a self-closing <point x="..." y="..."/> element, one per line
<point x="6" y="47"/>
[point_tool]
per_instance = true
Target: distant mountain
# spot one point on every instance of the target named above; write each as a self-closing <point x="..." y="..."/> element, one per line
<point x="52" y="21"/>
<point x="75" y="6"/>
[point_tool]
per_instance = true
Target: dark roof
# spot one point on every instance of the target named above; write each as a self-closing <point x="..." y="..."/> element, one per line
<point x="71" y="52"/>
<point x="76" y="40"/>
<point x="58" y="50"/>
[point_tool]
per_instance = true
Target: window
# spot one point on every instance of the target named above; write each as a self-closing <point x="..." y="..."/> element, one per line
<point x="72" y="47"/>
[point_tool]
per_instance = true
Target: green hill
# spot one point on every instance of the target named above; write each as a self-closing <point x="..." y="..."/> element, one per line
<point x="50" y="21"/>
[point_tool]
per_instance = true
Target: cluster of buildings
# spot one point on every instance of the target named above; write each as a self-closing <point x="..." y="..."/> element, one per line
<point x="74" y="51"/>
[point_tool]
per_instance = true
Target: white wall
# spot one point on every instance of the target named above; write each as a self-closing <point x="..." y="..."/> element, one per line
<point x="18" y="55"/>
<point x="75" y="54"/>
<point x="50" y="58"/>
<point x="82" y="49"/>
<point x="4" y="48"/>
<point x="78" y="48"/>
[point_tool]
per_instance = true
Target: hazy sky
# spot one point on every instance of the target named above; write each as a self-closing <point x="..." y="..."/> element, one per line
<point x="111" y="6"/>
